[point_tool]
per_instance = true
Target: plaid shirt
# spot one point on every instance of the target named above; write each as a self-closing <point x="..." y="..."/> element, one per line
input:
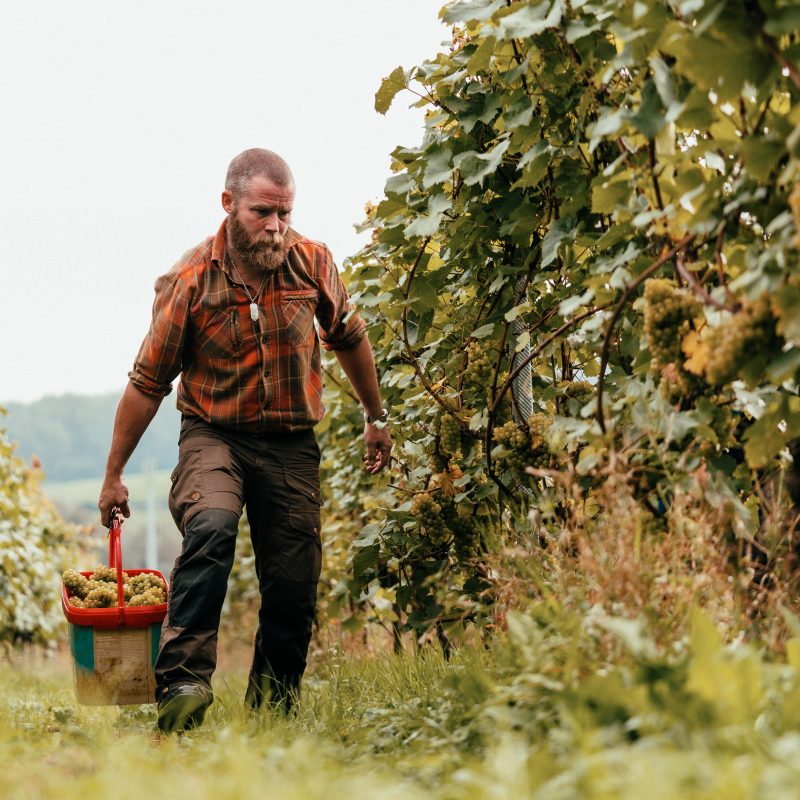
<point x="261" y="376"/>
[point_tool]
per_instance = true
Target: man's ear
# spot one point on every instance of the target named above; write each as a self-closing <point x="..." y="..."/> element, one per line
<point x="227" y="201"/>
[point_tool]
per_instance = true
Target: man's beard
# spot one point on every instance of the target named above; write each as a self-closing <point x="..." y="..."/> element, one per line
<point x="268" y="253"/>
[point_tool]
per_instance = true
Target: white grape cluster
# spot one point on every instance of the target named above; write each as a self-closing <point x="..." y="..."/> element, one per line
<point x="99" y="590"/>
<point x="480" y="365"/>
<point x="668" y="315"/>
<point x="523" y="445"/>
<point x="450" y="435"/>
<point x="428" y="514"/>
<point x="749" y="334"/>
<point x="466" y="532"/>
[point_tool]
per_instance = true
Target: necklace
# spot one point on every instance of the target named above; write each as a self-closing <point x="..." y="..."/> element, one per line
<point x="253" y="304"/>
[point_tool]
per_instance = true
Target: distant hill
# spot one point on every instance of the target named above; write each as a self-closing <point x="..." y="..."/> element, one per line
<point x="71" y="435"/>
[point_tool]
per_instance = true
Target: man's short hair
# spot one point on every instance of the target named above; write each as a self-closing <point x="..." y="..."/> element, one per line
<point x="256" y="161"/>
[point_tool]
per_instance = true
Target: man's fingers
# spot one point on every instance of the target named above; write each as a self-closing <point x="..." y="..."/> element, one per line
<point x="378" y="449"/>
<point x="376" y="458"/>
<point x="111" y="498"/>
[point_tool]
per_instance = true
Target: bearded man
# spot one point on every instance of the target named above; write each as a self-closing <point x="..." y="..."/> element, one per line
<point x="235" y="319"/>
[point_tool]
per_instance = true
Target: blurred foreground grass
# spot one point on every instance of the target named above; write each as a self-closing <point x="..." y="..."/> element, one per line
<point x="583" y="707"/>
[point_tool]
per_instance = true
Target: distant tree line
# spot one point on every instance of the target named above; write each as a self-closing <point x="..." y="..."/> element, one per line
<point x="70" y="435"/>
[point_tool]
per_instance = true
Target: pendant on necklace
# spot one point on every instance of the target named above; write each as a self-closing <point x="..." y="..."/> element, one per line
<point x="254" y="312"/>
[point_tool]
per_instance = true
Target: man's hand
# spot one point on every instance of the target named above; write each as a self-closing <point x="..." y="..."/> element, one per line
<point x="113" y="493"/>
<point x="379" y="447"/>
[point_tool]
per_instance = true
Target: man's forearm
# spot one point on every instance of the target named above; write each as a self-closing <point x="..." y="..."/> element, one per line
<point x="359" y="367"/>
<point x="134" y="413"/>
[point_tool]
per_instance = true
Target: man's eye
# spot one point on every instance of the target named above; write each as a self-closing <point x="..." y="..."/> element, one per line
<point x="285" y="214"/>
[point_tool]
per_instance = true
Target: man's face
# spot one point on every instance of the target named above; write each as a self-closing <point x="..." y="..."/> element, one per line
<point x="258" y="221"/>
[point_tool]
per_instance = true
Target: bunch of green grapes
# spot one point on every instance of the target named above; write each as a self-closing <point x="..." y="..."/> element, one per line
<point x="668" y="315"/>
<point x="147" y="590"/>
<point x="749" y="334"/>
<point x="538" y="424"/>
<point x="151" y="597"/>
<point x="524" y="446"/>
<point x="104" y="573"/>
<point x="146" y="580"/>
<point x="75" y="582"/>
<point x="104" y="596"/>
<point x="516" y="445"/>
<point x="450" y="435"/>
<point x="428" y="514"/>
<point x="100" y="589"/>
<point x="90" y="586"/>
<point x="480" y="364"/>
<point x="466" y="532"/>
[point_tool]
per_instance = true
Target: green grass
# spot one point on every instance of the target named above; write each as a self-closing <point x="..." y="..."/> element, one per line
<point x="563" y="707"/>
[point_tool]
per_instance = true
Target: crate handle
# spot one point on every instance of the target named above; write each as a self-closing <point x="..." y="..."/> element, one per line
<point x="115" y="552"/>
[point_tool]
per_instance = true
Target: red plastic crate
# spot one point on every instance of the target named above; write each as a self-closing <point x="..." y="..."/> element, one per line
<point x="120" y="616"/>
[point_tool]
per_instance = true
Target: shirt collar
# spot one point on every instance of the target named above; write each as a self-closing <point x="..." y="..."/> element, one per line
<point x="218" y="246"/>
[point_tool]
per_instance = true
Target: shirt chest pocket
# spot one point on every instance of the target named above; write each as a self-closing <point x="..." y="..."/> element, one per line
<point x="221" y="334"/>
<point x="298" y="309"/>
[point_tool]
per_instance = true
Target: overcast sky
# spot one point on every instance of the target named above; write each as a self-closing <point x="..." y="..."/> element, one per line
<point x="119" y="120"/>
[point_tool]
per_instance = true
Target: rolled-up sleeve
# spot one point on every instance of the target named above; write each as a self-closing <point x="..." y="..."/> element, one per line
<point x="341" y="328"/>
<point x="158" y="362"/>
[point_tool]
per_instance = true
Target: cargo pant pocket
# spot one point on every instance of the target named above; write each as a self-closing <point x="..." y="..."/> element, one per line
<point x="205" y="477"/>
<point x="187" y="495"/>
<point x="298" y="554"/>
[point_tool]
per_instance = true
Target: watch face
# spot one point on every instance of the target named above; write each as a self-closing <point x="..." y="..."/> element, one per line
<point x="382" y="418"/>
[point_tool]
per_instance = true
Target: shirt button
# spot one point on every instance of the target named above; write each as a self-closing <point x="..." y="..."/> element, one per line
<point x="265" y="338"/>
<point x="195" y="495"/>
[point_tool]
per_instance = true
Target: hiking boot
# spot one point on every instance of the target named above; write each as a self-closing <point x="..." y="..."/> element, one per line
<point x="267" y="692"/>
<point x="182" y="707"/>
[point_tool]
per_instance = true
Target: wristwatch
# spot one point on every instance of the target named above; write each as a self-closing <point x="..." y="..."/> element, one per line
<point x="380" y="421"/>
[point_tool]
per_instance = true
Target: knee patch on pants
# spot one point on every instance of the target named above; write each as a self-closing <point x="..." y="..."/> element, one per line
<point x="201" y="574"/>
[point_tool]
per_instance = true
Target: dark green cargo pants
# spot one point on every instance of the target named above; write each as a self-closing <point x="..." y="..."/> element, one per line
<point x="276" y="479"/>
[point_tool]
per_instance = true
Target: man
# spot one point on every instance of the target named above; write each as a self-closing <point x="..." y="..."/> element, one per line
<point x="235" y="318"/>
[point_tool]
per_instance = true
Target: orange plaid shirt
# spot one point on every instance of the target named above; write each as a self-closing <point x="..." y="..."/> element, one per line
<point x="262" y="376"/>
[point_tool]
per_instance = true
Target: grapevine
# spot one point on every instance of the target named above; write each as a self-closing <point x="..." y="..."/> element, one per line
<point x="642" y="191"/>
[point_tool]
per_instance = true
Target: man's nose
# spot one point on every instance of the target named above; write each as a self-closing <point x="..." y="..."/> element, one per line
<point x="272" y="223"/>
